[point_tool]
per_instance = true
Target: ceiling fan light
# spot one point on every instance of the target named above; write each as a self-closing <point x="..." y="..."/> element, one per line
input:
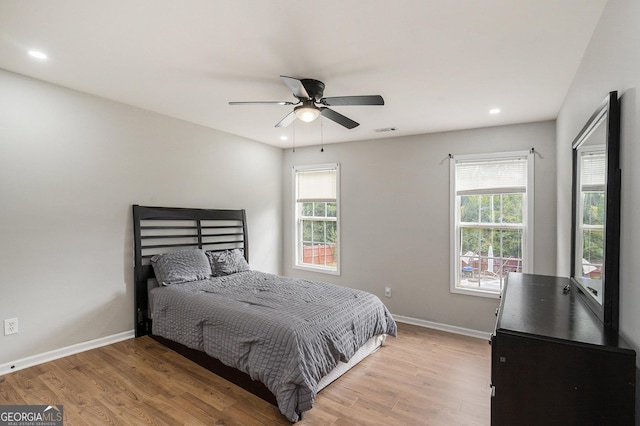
<point x="307" y="113"/>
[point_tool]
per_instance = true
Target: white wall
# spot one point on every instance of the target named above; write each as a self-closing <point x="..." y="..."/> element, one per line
<point x="611" y="62"/>
<point x="395" y="216"/>
<point x="71" y="166"/>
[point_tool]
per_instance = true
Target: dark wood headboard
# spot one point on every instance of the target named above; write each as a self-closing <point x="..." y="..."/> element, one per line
<point x="158" y="230"/>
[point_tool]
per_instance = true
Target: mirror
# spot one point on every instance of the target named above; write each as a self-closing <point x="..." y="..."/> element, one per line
<point x="595" y="227"/>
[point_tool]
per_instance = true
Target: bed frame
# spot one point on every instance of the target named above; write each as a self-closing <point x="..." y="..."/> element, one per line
<point x="158" y="230"/>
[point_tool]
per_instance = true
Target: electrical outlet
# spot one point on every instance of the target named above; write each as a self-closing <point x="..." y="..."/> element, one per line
<point x="387" y="291"/>
<point x="10" y="326"/>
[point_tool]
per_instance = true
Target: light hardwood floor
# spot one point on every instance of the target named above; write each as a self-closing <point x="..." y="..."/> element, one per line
<point x="422" y="377"/>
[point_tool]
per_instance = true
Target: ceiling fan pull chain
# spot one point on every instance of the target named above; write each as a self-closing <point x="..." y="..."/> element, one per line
<point x="321" y="136"/>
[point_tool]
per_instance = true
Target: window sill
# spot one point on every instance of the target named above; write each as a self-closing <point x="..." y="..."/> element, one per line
<point x="320" y="269"/>
<point x="476" y="292"/>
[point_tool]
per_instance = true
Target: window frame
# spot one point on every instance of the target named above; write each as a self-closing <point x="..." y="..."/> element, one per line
<point x="455" y="224"/>
<point x="298" y="218"/>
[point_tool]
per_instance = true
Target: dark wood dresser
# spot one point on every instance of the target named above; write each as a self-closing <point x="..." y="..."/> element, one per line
<point x="554" y="363"/>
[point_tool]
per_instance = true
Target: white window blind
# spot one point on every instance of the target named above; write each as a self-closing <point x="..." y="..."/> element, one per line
<point x="593" y="171"/>
<point x="316" y="185"/>
<point x="491" y="177"/>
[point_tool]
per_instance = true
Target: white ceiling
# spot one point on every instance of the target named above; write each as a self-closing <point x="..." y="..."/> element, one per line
<point x="439" y="64"/>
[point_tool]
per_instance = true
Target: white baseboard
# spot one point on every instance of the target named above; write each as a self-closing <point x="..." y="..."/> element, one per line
<point x="443" y="327"/>
<point x="103" y="341"/>
<point x="30" y="361"/>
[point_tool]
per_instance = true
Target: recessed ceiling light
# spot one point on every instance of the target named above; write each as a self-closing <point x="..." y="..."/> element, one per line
<point x="283" y="138"/>
<point x="494" y="111"/>
<point x="38" y="55"/>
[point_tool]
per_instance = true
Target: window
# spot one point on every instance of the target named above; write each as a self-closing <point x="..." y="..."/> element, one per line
<point x="492" y="220"/>
<point x="317" y="222"/>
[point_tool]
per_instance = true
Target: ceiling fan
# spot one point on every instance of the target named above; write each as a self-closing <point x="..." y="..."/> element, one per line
<point x="310" y="93"/>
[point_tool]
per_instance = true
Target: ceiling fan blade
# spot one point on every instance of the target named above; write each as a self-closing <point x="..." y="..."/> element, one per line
<point x="290" y="118"/>
<point x="296" y="87"/>
<point x="353" y="100"/>
<point x="263" y="103"/>
<point x="338" y="118"/>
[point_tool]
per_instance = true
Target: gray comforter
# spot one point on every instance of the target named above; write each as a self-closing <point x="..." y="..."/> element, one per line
<point x="287" y="333"/>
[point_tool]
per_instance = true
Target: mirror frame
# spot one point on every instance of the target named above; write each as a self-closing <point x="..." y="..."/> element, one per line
<point x="608" y="312"/>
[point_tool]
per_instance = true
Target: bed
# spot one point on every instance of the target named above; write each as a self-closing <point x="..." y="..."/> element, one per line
<point x="281" y="338"/>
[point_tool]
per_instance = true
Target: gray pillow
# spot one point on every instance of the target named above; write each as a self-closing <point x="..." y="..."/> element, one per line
<point x="227" y="262"/>
<point x="181" y="266"/>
